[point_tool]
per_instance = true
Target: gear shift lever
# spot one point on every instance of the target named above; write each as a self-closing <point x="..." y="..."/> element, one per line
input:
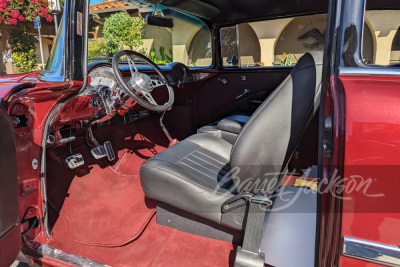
<point x="171" y="140"/>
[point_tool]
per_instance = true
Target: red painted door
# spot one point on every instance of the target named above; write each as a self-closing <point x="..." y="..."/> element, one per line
<point x="371" y="210"/>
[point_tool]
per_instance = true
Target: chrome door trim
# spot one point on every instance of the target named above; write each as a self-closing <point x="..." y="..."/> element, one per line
<point x="60" y="255"/>
<point x="382" y="71"/>
<point x="371" y="251"/>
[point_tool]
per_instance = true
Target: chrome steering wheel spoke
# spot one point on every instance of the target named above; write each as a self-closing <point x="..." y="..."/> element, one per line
<point x="132" y="65"/>
<point x="149" y="97"/>
<point x="157" y="83"/>
<point x="141" y="85"/>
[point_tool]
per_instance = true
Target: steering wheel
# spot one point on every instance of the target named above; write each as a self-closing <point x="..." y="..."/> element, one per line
<point x="140" y="86"/>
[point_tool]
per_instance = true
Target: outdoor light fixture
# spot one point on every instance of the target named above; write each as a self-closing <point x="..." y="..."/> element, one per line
<point x="54" y="6"/>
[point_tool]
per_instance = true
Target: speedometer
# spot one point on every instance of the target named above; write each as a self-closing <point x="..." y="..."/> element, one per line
<point x="103" y="76"/>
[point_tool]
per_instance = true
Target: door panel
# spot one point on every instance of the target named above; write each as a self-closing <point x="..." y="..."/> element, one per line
<point x="242" y="92"/>
<point x="10" y="231"/>
<point x="372" y="155"/>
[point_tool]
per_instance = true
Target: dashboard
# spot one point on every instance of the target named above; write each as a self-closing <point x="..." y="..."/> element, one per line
<point x="104" y="98"/>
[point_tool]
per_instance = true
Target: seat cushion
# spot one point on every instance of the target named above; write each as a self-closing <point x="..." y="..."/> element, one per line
<point x="191" y="175"/>
<point x="239" y="118"/>
<point x="223" y="130"/>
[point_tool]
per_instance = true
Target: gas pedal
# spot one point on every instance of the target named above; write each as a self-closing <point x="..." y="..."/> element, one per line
<point x="109" y="150"/>
<point x="105" y="150"/>
<point x="75" y="161"/>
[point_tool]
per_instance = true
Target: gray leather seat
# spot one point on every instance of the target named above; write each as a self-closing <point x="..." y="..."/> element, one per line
<point x="228" y="128"/>
<point x="200" y="173"/>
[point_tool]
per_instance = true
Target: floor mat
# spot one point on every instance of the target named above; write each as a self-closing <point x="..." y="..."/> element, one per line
<point x="183" y="249"/>
<point x="157" y="246"/>
<point x="107" y="206"/>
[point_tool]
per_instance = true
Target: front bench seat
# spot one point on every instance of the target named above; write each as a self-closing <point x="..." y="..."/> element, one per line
<point x="194" y="175"/>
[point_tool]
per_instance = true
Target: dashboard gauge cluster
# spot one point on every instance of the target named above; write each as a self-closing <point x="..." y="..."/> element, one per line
<point x="104" y="84"/>
<point x="103" y="76"/>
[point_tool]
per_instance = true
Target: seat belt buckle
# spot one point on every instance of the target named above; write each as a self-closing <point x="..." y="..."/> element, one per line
<point x="261" y="198"/>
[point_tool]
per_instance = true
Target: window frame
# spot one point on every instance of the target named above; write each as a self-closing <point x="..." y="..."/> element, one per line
<point x="353" y="64"/>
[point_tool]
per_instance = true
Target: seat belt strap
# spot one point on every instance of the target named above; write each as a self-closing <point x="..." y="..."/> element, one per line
<point x="249" y="255"/>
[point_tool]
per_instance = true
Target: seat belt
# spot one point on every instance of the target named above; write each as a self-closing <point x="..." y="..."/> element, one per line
<point x="249" y="255"/>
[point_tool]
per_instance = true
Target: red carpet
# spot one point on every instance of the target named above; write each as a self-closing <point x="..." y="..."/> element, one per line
<point x="104" y="215"/>
<point x="107" y="207"/>
<point x="157" y="246"/>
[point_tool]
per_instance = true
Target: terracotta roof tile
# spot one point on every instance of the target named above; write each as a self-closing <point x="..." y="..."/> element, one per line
<point x="116" y="4"/>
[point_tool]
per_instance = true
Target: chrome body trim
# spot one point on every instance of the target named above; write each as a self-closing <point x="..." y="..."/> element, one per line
<point x="370" y="71"/>
<point x="371" y="251"/>
<point x="68" y="258"/>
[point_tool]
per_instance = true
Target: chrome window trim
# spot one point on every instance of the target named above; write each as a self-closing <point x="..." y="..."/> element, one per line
<point x="371" y="251"/>
<point x="370" y="71"/>
<point x="239" y="66"/>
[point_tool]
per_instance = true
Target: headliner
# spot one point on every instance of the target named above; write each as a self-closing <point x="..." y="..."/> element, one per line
<point x="228" y="11"/>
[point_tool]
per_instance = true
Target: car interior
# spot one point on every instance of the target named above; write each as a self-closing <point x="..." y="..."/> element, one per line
<point x="194" y="133"/>
<point x="153" y="164"/>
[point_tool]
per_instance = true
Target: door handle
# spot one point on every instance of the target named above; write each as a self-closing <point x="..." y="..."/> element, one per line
<point x="327" y="143"/>
<point x="242" y="94"/>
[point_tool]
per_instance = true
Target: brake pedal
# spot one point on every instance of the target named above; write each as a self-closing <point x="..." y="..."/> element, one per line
<point x="105" y="150"/>
<point x="98" y="152"/>
<point x="75" y="161"/>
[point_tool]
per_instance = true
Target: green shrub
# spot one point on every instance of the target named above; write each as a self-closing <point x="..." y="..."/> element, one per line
<point x="24" y="57"/>
<point x="122" y="31"/>
<point x="96" y="47"/>
<point x="165" y="59"/>
<point x="288" y="60"/>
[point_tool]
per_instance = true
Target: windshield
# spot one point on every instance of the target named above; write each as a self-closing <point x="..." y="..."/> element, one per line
<point x="118" y="25"/>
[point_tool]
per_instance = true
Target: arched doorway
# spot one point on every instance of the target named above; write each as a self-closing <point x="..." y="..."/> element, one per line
<point x="395" y="50"/>
<point x="250" y="50"/>
<point x="304" y="34"/>
<point x="199" y="49"/>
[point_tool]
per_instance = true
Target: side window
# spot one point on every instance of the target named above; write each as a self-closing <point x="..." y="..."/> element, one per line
<point x="279" y="42"/>
<point x="229" y="46"/>
<point x="381" y="37"/>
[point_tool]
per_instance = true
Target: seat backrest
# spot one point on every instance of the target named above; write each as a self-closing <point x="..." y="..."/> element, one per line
<point x="268" y="139"/>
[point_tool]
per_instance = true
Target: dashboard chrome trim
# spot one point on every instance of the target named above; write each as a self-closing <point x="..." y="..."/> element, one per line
<point x="371" y="251"/>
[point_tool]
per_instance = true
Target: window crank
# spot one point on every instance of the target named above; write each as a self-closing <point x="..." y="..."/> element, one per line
<point x="223" y="81"/>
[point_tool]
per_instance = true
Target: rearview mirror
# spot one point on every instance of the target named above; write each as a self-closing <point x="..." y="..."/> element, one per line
<point x="160" y="21"/>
